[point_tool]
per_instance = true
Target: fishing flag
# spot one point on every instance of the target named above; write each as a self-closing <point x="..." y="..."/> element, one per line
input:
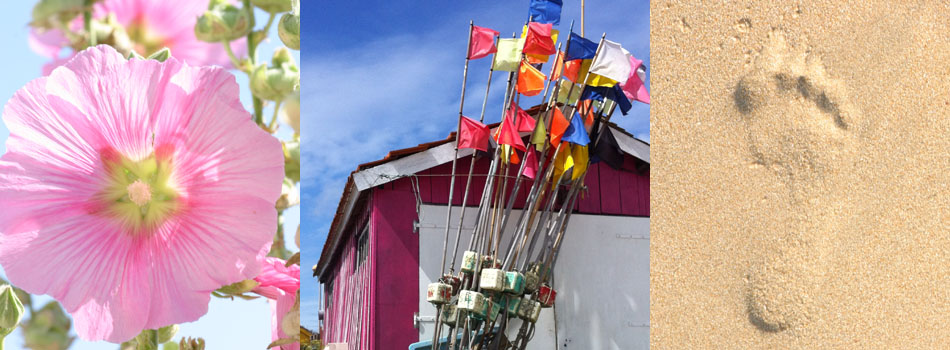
<point x="634" y="88"/>
<point x="538" y="39"/>
<point x="473" y="134"/>
<point x="539" y="134"/>
<point x="576" y="133"/>
<point x="580" y="157"/>
<point x="509" y="155"/>
<point x="617" y="95"/>
<point x="508" y="57"/>
<point x="558" y="66"/>
<point x="530" y="80"/>
<point x="482" y="42"/>
<point x="580" y="48"/>
<point x="594" y="93"/>
<point x="545" y="11"/>
<point x="587" y="107"/>
<point x="572" y="69"/>
<point x="508" y="135"/>
<point x="562" y="162"/>
<point x="599" y="80"/>
<point x="611" y="62"/>
<point x="559" y="125"/>
<point x="531" y="167"/>
<point x="524" y="120"/>
<point x="564" y="88"/>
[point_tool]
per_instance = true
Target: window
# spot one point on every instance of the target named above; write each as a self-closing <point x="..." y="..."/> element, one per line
<point x="362" y="248"/>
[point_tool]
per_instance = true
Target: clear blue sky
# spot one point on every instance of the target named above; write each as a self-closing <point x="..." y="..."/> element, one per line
<point x="383" y="75"/>
<point x="229" y="324"/>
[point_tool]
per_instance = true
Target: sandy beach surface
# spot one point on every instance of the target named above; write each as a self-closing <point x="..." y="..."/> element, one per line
<point x="801" y="175"/>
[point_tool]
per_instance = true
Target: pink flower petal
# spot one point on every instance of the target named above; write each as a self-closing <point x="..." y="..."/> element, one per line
<point x="54" y="236"/>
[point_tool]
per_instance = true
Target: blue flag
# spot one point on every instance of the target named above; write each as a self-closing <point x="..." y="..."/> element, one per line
<point x="616" y="94"/>
<point x="575" y="132"/>
<point x="580" y="48"/>
<point x="545" y="11"/>
<point x="596" y="93"/>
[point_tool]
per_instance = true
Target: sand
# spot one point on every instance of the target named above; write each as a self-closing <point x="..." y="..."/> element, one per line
<point x="801" y="175"/>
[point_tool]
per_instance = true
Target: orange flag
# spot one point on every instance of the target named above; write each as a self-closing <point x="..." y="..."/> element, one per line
<point x="585" y="106"/>
<point x="558" y="66"/>
<point x="559" y="125"/>
<point x="572" y="69"/>
<point x="530" y="80"/>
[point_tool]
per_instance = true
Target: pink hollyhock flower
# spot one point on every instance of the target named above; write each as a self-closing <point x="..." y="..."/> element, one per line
<point x="151" y="25"/>
<point x="131" y="189"/>
<point x="280" y="284"/>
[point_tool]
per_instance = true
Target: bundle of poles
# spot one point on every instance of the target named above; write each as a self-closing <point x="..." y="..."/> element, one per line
<point x="499" y="281"/>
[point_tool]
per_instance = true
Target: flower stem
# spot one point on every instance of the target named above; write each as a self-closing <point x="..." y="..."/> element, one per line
<point x="234" y="60"/>
<point x="252" y="56"/>
<point x="270" y="21"/>
<point x="271" y="127"/>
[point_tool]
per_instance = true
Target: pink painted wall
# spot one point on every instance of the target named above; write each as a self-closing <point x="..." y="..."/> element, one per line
<point x="346" y="319"/>
<point x="396" y="261"/>
<point x="389" y="289"/>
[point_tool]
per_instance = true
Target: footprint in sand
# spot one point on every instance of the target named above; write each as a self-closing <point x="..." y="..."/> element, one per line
<point x="799" y="124"/>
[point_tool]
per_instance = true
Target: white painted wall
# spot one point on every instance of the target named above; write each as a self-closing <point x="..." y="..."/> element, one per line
<point x="602" y="278"/>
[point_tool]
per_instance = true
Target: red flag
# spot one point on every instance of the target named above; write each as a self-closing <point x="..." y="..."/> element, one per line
<point x="525" y="122"/>
<point x="559" y="125"/>
<point x="482" y="42"/>
<point x="538" y="41"/>
<point x="531" y="167"/>
<point x="508" y="135"/>
<point x="530" y="80"/>
<point x="473" y="134"/>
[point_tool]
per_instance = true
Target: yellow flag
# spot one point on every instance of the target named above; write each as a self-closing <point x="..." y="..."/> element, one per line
<point x="562" y="162"/>
<point x="599" y="80"/>
<point x="508" y="57"/>
<point x="581" y="160"/>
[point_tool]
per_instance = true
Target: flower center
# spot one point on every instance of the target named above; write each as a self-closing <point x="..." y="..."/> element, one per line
<point x="139" y="194"/>
<point x="144" y="40"/>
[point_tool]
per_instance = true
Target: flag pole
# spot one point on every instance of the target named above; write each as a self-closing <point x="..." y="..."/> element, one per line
<point x="471" y="167"/>
<point x="448" y="214"/>
<point x="541" y="158"/>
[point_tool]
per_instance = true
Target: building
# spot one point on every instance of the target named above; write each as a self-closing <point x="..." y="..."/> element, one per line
<point x="385" y="245"/>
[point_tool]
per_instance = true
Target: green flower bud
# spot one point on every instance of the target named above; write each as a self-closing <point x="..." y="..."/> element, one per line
<point x="292" y="160"/>
<point x="223" y="23"/>
<point x="11" y="310"/>
<point x="48" y="328"/>
<point x="46" y="12"/>
<point x="288" y="29"/>
<point x="275" y="83"/>
<point x="161" y="55"/>
<point x="290" y="111"/>
<point x="273" y="6"/>
<point x="166" y="333"/>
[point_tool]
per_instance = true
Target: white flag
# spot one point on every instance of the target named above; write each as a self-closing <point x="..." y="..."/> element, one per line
<point x="611" y="62"/>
